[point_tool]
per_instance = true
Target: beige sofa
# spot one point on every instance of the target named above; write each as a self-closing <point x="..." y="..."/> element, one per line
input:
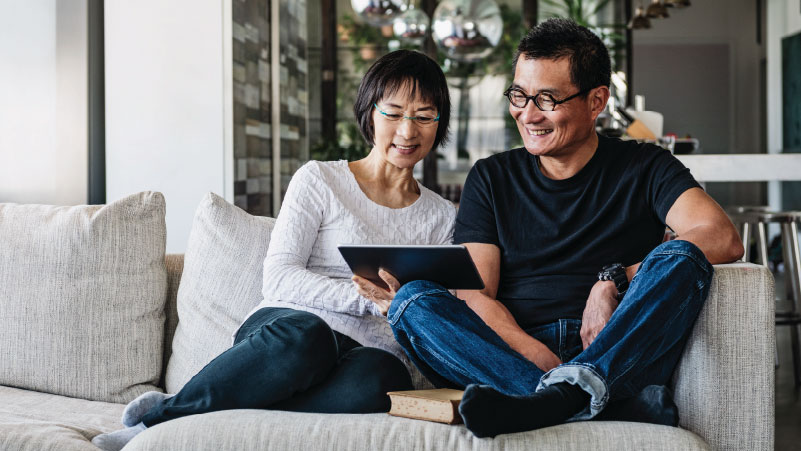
<point x="59" y="392"/>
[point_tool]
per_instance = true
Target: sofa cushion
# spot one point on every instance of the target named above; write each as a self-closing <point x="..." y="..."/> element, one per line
<point x="247" y="430"/>
<point x="220" y="284"/>
<point x="82" y="298"/>
<point x="33" y="421"/>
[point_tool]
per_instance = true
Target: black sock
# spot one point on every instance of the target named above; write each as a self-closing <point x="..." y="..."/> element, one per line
<point x="652" y="405"/>
<point x="487" y="412"/>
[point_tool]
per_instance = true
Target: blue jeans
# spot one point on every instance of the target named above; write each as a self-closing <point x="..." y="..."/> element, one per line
<point x="285" y="359"/>
<point x="639" y="346"/>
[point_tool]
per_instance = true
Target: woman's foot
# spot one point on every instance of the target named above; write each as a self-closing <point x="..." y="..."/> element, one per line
<point x="115" y="441"/>
<point x="136" y="409"/>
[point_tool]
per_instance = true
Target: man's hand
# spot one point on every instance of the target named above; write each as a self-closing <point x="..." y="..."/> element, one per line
<point x="543" y="357"/>
<point x="380" y="296"/>
<point x="600" y="306"/>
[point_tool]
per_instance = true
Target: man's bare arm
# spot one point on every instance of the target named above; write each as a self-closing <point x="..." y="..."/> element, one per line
<point x="487" y="258"/>
<point x="697" y="218"/>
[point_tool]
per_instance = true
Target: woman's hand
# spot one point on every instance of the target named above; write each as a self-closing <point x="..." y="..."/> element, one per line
<point x="382" y="297"/>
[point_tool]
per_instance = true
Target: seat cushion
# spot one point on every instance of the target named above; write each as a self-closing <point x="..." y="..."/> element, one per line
<point x="220" y="284"/>
<point x="33" y="421"/>
<point x="246" y="430"/>
<point x="82" y="297"/>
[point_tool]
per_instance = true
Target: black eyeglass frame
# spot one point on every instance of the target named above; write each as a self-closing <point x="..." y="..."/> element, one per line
<point x="533" y="98"/>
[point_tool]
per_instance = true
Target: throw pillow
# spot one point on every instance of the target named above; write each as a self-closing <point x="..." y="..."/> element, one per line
<point x="220" y="284"/>
<point x="82" y="293"/>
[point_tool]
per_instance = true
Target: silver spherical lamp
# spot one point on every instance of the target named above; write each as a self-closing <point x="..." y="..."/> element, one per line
<point x="467" y="30"/>
<point x="411" y="25"/>
<point x="377" y="12"/>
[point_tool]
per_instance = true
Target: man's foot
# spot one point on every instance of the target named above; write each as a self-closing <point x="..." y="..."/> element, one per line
<point x="137" y="408"/>
<point x="487" y="412"/>
<point x="652" y="405"/>
<point x="115" y="441"/>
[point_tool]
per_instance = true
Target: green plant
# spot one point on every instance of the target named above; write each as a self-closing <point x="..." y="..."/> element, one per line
<point x="360" y="35"/>
<point x="586" y="13"/>
<point x="350" y="146"/>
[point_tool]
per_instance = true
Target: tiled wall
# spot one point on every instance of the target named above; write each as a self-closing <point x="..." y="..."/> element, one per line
<point x="294" y="89"/>
<point x="253" y="152"/>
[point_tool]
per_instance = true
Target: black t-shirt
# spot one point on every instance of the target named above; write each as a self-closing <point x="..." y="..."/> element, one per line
<point x="555" y="235"/>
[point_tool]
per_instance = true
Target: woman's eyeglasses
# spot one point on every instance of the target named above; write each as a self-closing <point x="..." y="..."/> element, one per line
<point x="423" y="121"/>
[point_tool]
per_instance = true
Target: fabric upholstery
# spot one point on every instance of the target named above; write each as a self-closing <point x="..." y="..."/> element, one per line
<point x="175" y="267"/>
<point x="82" y="297"/>
<point x="724" y="383"/>
<point x="220" y="284"/>
<point x="247" y="430"/>
<point x="33" y="421"/>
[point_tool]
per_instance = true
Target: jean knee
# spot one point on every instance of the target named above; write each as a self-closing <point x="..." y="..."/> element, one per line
<point x="378" y="372"/>
<point x="422" y="292"/>
<point x="305" y="337"/>
<point x="683" y="253"/>
<point x="415" y="287"/>
<point x="678" y="245"/>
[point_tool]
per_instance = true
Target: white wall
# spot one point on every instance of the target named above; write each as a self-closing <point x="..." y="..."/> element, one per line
<point x="43" y="101"/>
<point x="784" y="19"/>
<point x="721" y="97"/>
<point x="165" y="104"/>
<point x="711" y="23"/>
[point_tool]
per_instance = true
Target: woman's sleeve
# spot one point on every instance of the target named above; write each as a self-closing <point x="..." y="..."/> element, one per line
<point x="448" y="220"/>
<point x="286" y="278"/>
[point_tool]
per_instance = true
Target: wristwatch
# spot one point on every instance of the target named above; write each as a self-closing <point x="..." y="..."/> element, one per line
<point x="616" y="273"/>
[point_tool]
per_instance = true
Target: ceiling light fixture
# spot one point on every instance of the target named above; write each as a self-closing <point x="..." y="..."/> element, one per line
<point x="640" y="21"/>
<point x="656" y="10"/>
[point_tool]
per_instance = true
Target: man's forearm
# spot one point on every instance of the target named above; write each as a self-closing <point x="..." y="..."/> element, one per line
<point x="501" y="321"/>
<point x="718" y="246"/>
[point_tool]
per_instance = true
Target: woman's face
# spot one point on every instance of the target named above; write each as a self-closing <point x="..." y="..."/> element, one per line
<point x="403" y="142"/>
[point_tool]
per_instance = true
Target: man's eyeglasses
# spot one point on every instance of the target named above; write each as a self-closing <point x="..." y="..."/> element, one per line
<point x="543" y="101"/>
<point x="423" y="121"/>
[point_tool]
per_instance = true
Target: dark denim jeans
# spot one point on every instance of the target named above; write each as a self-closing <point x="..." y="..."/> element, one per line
<point x="640" y="345"/>
<point x="286" y="359"/>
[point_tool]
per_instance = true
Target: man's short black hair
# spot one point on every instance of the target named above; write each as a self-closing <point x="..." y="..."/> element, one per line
<point x="392" y="72"/>
<point x="590" y="65"/>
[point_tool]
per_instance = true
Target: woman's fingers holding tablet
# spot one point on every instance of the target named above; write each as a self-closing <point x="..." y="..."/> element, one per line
<point x="390" y="280"/>
<point x="380" y="297"/>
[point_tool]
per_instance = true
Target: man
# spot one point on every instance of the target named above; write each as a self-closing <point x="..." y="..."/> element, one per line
<point x="584" y="311"/>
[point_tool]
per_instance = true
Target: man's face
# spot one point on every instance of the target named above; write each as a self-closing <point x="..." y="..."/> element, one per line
<point x="551" y="133"/>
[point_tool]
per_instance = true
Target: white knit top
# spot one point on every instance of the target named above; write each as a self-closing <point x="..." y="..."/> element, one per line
<point x="324" y="207"/>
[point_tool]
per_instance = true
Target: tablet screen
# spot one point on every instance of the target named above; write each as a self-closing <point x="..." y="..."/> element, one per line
<point x="447" y="265"/>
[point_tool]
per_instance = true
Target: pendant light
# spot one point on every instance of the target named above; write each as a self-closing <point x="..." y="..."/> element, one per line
<point x="640" y="21"/>
<point x="656" y="10"/>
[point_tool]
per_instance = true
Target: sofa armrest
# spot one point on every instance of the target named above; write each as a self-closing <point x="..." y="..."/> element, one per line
<point x="175" y="267"/>
<point x="724" y="383"/>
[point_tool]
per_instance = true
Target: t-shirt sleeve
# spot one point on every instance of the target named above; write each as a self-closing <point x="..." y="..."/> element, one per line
<point x="668" y="179"/>
<point x="475" y="221"/>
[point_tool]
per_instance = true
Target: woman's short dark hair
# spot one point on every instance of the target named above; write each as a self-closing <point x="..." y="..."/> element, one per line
<point x="392" y="72"/>
<point x="590" y="65"/>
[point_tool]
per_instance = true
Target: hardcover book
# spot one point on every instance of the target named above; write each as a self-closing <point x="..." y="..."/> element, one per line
<point x="440" y="405"/>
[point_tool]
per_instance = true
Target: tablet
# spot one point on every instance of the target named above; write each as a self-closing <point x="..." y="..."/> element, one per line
<point x="447" y="265"/>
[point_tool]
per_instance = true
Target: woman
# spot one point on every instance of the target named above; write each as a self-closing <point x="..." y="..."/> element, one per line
<point x="315" y="344"/>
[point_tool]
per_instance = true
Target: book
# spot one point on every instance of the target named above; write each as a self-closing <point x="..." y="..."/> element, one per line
<point x="440" y="405"/>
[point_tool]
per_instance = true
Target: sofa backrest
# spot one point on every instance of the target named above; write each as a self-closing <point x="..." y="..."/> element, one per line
<point x="175" y="267"/>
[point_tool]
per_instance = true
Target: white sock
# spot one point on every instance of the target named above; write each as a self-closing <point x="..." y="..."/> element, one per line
<point x="115" y="441"/>
<point x="137" y="408"/>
